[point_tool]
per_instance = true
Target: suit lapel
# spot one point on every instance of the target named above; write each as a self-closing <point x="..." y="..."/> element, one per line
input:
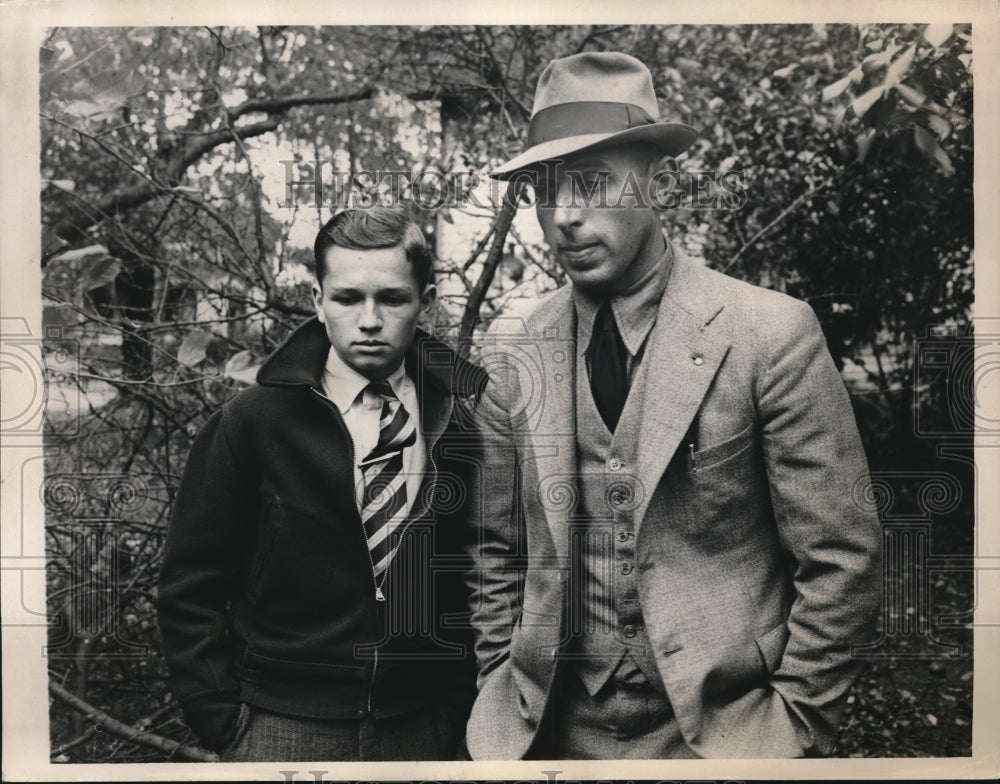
<point x="682" y="358"/>
<point x="552" y="434"/>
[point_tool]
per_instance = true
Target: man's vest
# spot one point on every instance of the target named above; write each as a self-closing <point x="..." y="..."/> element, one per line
<point x="605" y="620"/>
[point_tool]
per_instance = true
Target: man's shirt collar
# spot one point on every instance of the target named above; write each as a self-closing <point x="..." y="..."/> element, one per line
<point x="635" y="309"/>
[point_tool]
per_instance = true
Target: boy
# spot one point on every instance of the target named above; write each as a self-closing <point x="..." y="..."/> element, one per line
<point x="302" y="598"/>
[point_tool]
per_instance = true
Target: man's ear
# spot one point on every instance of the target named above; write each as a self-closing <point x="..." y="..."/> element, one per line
<point x="662" y="163"/>
<point x="427" y="299"/>
<point x="317" y="295"/>
<point x="663" y="178"/>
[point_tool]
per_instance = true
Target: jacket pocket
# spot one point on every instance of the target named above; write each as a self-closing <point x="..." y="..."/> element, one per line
<point x="257" y="667"/>
<point x="746" y="665"/>
<point x="267" y="531"/>
<point x="736" y="670"/>
<point x="772" y="646"/>
<point x="242" y="725"/>
<point x="710" y="457"/>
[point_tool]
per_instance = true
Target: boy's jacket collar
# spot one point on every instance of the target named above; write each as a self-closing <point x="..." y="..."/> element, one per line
<point x="300" y="359"/>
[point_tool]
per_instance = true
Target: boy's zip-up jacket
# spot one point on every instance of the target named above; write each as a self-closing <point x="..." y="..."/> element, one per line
<point x="267" y="594"/>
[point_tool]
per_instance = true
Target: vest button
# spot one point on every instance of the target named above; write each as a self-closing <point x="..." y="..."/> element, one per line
<point x="623" y="535"/>
<point x="626" y="567"/>
<point x="615" y="464"/>
<point x="630" y="631"/>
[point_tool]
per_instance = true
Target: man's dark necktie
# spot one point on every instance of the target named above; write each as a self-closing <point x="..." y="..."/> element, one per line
<point x="606" y="356"/>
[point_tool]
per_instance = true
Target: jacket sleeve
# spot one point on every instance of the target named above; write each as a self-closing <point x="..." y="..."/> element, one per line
<point x="495" y="583"/>
<point x="206" y="542"/>
<point x="817" y="474"/>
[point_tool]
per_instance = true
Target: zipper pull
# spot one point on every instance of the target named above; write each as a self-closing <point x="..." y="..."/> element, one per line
<point x="379" y="596"/>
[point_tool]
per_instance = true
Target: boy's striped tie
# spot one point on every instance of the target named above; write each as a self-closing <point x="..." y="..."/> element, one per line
<point x="383" y="507"/>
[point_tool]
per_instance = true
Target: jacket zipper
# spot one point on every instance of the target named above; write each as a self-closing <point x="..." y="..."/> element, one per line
<point x="416" y="512"/>
<point x="379" y="593"/>
<point x="379" y="596"/>
<point x="421" y="510"/>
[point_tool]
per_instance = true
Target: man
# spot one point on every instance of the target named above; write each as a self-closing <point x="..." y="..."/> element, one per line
<point x="305" y="583"/>
<point x="671" y="564"/>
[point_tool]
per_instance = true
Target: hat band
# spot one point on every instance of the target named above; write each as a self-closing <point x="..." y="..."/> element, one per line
<point x="581" y="117"/>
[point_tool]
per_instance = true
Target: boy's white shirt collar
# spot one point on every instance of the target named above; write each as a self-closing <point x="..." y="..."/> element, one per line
<point x="342" y="383"/>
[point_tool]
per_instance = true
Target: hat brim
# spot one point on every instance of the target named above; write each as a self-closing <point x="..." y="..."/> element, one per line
<point x="669" y="138"/>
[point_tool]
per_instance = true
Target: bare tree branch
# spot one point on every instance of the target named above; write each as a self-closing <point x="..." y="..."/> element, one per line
<point x="479" y="248"/>
<point x="281" y="105"/>
<point x="596" y="33"/>
<point x="195" y="147"/>
<point x="502" y="224"/>
<point x="798" y="202"/>
<point x="125" y="732"/>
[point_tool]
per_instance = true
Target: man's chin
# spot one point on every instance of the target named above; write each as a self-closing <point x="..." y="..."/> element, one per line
<point x="594" y="281"/>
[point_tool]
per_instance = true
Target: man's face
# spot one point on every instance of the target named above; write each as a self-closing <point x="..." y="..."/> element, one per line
<point x="605" y="241"/>
<point x="370" y="303"/>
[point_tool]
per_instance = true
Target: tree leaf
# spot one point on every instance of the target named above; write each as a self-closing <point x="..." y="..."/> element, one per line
<point x="99" y="98"/>
<point x="924" y="139"/>
<point x="241" y="368"/>
<point x="879" y="59"/>
<point x="833" y="90"/>
<point x="47" y="55"/>
<point x="865" y="141"/>
<point x="937" y="34"/>
<point x="897" y="70"/>
<point x="866" y="100"/>
<point x="928" y="145"/>
<point x="239" y="361"/>
<point x="51" y="241"/>
<point x="838" y="117"/>
<point x="99" y="271"/>
<point x="911" y="94"/>
<point x="939" y="125"/>
<point x="63" y="185"/>
<point x="192" y="350"/>
<point x="81" y="253"/>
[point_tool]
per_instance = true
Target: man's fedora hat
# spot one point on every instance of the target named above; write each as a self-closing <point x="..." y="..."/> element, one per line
<point x="592" y="100"/>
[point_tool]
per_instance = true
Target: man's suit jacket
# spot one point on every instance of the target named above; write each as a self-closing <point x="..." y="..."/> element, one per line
<point x="758" y="556"/>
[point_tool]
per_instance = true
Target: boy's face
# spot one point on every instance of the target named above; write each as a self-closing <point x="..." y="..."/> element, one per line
<point x="370" y="303"/>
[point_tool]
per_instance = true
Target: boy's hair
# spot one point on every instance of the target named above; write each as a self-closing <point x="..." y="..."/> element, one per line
<point x="376" y="227"/>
